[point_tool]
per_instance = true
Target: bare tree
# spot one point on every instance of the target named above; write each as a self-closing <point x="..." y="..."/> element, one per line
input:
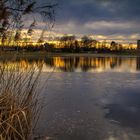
<point x="12" y="13"/>
<point x="68" y="41"/>
<point x="86" y="41"/>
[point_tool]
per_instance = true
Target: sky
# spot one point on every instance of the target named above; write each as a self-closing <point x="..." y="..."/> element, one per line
<point x="118" y="19"/>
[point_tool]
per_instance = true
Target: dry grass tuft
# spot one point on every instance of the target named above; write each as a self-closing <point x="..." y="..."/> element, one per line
<point x="19" y="108"/>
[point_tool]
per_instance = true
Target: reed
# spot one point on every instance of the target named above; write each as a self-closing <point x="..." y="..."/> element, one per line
<point x="19" y="104"/>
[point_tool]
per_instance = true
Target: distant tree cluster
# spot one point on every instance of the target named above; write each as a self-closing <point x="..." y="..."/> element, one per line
<point x="69" y="43"/>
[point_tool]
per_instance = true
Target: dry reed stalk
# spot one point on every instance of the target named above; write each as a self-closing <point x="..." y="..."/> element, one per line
<point x="19" y="108"/>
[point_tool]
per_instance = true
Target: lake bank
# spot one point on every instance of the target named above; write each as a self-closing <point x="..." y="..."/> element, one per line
<point x="42" y="55"/>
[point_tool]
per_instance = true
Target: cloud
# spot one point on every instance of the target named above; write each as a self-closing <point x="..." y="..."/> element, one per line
<point x="109" y="25"/>
<point x="98" y="27"/>
<point x="99" y="9"/>
<point x="107" y="17"/>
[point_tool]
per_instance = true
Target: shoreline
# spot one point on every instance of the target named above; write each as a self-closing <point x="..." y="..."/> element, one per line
<point x="12" y="55"/>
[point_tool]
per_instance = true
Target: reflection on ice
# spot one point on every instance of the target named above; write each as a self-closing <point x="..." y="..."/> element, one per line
<point x="125" y="109"/>
<point x="81" y="105"/>
<point x="78" y="64"/>
<point x="82" y="109"/>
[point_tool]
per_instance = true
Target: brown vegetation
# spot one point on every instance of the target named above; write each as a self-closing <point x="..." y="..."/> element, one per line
<point x="19" y="106"/>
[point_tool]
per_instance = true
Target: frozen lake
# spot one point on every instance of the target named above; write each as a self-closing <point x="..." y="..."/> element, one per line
<point x="89" y="98"/>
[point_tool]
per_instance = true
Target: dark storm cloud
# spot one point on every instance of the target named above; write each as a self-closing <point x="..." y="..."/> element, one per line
<point x="98" y="16"/>
<point x="85" y="10"/>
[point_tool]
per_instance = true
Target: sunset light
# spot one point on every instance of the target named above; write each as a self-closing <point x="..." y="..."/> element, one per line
<point x="69" y="69"/>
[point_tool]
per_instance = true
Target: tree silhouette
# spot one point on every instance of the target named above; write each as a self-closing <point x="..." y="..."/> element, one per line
<point x="13" y="12"/>
<point x="67" y="41"/>
<point x="86" y="41"/>
<point x="113" y="45"/>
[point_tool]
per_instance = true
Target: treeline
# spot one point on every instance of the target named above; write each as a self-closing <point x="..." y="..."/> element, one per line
<point x="69" y="43"/>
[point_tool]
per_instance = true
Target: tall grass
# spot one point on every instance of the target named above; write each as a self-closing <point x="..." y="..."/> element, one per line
<point x="19" y="106"/>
